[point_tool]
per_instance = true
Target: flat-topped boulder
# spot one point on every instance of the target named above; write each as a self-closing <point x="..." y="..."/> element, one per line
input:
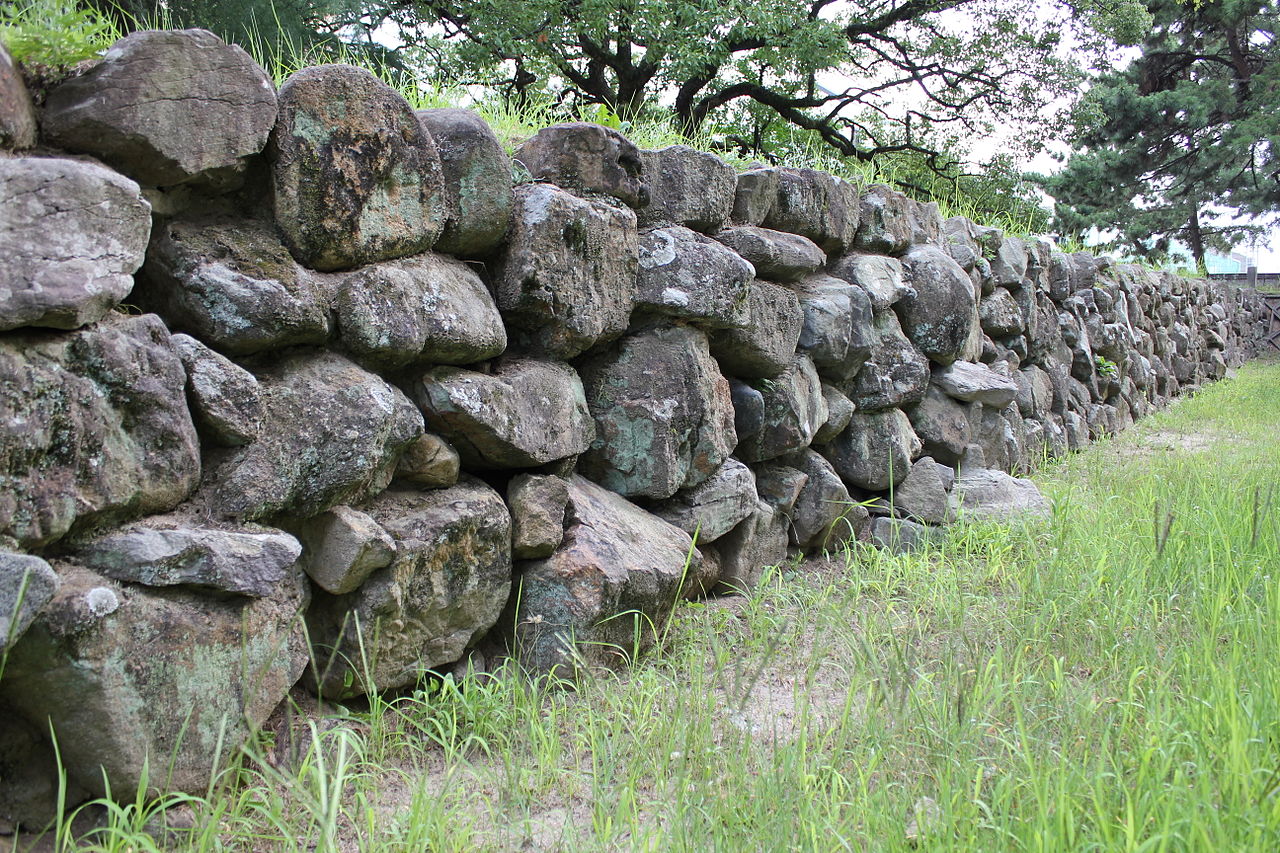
<point x="587" y="158"/>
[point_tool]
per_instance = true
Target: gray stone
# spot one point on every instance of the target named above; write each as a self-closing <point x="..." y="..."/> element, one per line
<point x="30" y="783"/>
<point x="170" y="683"/>
<point x="686" y="275"/>
<point x="523" y="414"/>
<point x="356" y="177"/>
<point x="477" y="181"/>
<point x="890" y="222"/>
<point x="538" y="503"/>
<point x="940" y="314"/>
<point x="567" y="279"/>
<point x="233" y="285"/>
<point x="341" y="547"/>
<point x="767" y="345"/>
<point x="587" y="158"/>
<point x="165" y="107"/>
<point x="429" y="308"/>
<point x="715" y="506"/>
<point x="610" y="584"/>
<point x="240" y="562"/>
<point x="780" y="486"/>
<point x="1009" y="264"/>
<point x="754" y="195"/>
<point x="791" y="411"/>
<point x="446" y="587"/>
<point x="824" y="514"/>
<point x="975" y="383"/>
<point x="1000" y="315"/>
<point x="758" y="543"/>
<point x="816" y="205"/>
<point x="72" y="234"/>
<point x="879" y="276"/>
<point x="26" y="585"/>
<point x="224" y="397"/>
<point x="303" y="464"/>
<point x="664" y="420"/>
<point x="897" y="535"/>
<point x="776" y="255"/>
<point x="922" y="495"/>
<point x="840" y="410"/>
<point x="94" y="428"/>
<point x="17" y="115"/>
<point x="429" y="462"/>
<point x="837" y="331"/>
<point x="987" y="495"/>
<point x="942" y="424"/>
<point x="688" y="187"/>
<point x="894" y="374"/>
<point x="876" y="450"/>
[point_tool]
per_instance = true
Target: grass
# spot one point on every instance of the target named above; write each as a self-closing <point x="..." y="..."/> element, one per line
<point x="1107" y="681"/>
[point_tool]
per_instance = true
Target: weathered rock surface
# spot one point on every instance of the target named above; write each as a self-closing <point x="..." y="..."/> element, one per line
<point x="538" y="503"/>
<point x="587" y="158"/>
<point x="790" y="411"/>
<point x="890" y="222"/>
<point x="303" y="464"/>
<point x="922" y="494"/>
<point x="715" y="506"/>
<point x="895" y="373"/>
<point x="765" y="347"/>
<point x="17" y="115"/>
<point x="567" y="279"/>
<point x="477" y="181"/>
<point x="341" y="547"/>
<point x="840" y="410"/>
<point x="446" y="586"/>
<point x="975" y="383"/>
<point x="748" y="550"/>
<point x="687" y="187"/>
<point x="428" y="308"/>
<point x="816" y="205"/>
<point x="1000" y="315"/>
<point x="29" y="775"/>
<point x="166" y="107"/>
<point x="876" y="450"/>
<point x="939" y="315"/>
<point x="880" y="277"/>
<point x="664" y="420"/>
<point x="72" y="234"/>
<point x="753" y="198"/>
<point x="225" y="398"/>
<point x="524" y="414"/>
<point x="27" y="584"/>
<point x="94" y="428"/>
<point x="942" y="424"/>
<point x="233" y="285"/>
<point x="988" y="495"/>
<point x="133" y="679"/>
<point x="837" y="331"/>
<point x="429" y="462"/>
<point x="897" y="535"/>
<point x="356" y="177"/>
<point x="684" y="274"/>
<point x="776" y="255"/>
<point x="780" y="485"/>
<point x="615" y="559"/>
<point x="824" y="515"/>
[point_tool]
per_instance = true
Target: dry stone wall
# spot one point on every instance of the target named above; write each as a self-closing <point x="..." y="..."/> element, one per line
<point x="302" y="388"/>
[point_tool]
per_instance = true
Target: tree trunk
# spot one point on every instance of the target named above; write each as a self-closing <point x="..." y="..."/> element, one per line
<point x="1195" y="239"/>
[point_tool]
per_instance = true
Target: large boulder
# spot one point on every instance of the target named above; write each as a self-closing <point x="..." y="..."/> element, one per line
<point x="940" y="314"/>
<point x="894" y="374"/>
<point x="444" y="589"/>
<point x="922" y="494"/>
<point x="162" y="686"/>
<point x="356" y="177"/>
<point x="94" y="428"/>
<point x="1000" y="314"/>
<point x="890" y="222"/>
<point x="982" y="494"/>
<point x="477" y="181"/>
<point x="17" y="115"/>
<point x="816" y="205"/>
<point x="428" y="308"/>
<point x="879" y="276"/>
<point x="790" y="411"/>
<point x="567" y="279"/>
<point x="587" y="158"/>
<point x="27" y="584"/>
<point x="975" y="383"/>
<point x="942" y="425"/>
<point x="837" y="332"/>
<point x="610" y="584"/>
<point x="754" y="195"/>
<point x="72" y="234"/>
<point x="876" y="449"/>
<point x="715" y="506"/>
<point x="664" y="420"/>
<point x="687" y="187"/>
<point x="225" y="398"/>
<point x="523" y="414"/>
<point x="824" y="514"/>
<point x="765" y="347"/>
<point x="341" y="547"/>
<point x="303" y="463"/>
<point x="166" y="107"/>
<point x="233" y="285"/>
<point x="686" y="275"/>
<point x="776" y="255"/>
<point x="758" y="543"/>
<point x="538" y="503"/>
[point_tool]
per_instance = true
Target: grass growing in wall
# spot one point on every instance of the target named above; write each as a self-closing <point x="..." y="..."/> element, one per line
<point x="1107" y="681"/>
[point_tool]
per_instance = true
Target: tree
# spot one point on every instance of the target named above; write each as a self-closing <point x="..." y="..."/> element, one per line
<point x="1184" y="142"/>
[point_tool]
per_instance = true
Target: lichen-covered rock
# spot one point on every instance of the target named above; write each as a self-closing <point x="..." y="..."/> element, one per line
<point x="894" y="374"/>
<point x="233" y="285"/>
<point x="428" y="308"/>
<point x="879" y="276"/>
<point x="940" y="314"/>
<point x="837" y="332"/>
<point x="356" y="177"/>
<point x="839" y="410"/>
<point x="477" y="181"/>
<point x="523" y="414"/>
<point x="132" y="679"/>
<point x="1000" y="315"/>
<point x="538" y="503"/>
<point x="942" y="425"/>
<point x="615" y="558"/>
<point x="779" y="486"/>
<point x="816" y="205"/>
<point x="165" y="107"/>
<point x="429" y="462"/>
<point x="687" y="187"/>
<point x="446" y="586"/>
<point x="27" y="584"/>
<point x="664" y="420"/>
<point x="225" y="398"/>
<point x="765" y="347"/>
<point x="94" y="428"/>
<point x="304" y="463"/>
<point x="824" y="515"/>
<point x="341" y="547"/>
<point x="922" y="495"/>
<point x="754" y="195"/>
<point x="975" y="383"/>
<point x="567" y="279"/>
<point x="889" y="222"/>
<point x="715" y="506"/>
<point x="72" y="234"/>
<point x="684" y="274"/>
<point x="17" y="115"/>
<point x="746" y="552"/>
<point x="587" y="158"/>
<point x="876" y="449"/>
<point x="776" y="255"/>
<point x="1009" y="263"/>
<point x="791" y="410"/>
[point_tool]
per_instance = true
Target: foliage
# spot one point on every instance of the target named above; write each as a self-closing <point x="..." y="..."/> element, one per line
<point x="1185" y="141"/>
<point x="54" y="32"/>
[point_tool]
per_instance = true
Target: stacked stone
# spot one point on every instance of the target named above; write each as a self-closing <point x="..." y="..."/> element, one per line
<point x="298" y="389"/>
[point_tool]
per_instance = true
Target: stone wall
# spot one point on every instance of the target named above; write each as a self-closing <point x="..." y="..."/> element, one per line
<point x="304" y="387"/>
